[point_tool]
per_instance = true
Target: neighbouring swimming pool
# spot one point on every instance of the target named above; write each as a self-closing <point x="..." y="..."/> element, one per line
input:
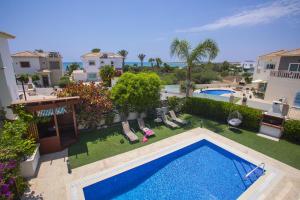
<point x="216" y="92"/>
<point x="201" y="170"/>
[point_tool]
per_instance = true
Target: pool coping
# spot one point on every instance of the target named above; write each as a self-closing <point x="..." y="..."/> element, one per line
<point x="256" y="190"/>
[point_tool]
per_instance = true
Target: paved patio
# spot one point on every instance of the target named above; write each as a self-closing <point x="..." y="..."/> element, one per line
<point x="53" y="180"/>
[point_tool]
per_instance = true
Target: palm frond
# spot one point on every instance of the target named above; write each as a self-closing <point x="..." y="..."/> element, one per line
<point x="207" y="49"/>
<point x="180" y="48"/>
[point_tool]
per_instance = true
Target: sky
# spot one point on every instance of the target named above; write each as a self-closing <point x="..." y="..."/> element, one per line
<point x="243" y="29"/>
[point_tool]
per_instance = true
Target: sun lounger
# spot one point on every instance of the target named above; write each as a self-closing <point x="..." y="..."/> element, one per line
<point x="147" y="131"/>
<point x="168" y="122"/>
<point x="128" y="133"/>
<point x="176" y="119"/>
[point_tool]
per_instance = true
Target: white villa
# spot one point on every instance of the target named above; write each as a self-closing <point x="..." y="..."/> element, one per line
<point x="248" y="65"/>
<point x="92" y="63"/>
<point x="48" y="65"/>
<point x="8" y="86"/>
<point x="278" y="76"/>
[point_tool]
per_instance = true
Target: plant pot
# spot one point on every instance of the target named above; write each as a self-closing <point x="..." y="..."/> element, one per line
<point x="29" y="166"/>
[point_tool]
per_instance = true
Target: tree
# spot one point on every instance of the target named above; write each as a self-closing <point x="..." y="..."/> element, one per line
<point x="106" y="73"/>
<point x="151" y="61"/>
<point x="23" y="78"/>
<point x="96" y="50"/>
<point x="141" y="57"/>
<point x="138" y="91"/>
<point x="94" y="102"/>
<point x="35" y="78"/>
<point x="182" y="49"/>
<point x="64" y="81"/>
<point x="73" y="66"/>
<point x="158" y="62"/>
<point x="124" y="54"/>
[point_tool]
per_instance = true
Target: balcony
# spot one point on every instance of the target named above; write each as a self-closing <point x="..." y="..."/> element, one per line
<point x="285" y="74"/>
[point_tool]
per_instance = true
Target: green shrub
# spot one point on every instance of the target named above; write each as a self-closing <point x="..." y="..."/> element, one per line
<point x="218" y="110"/>
<point x="109" y="118"/>
<point x="175" y="103"/>
<point x="64" y="81"/>
<point x="292" y="130"/>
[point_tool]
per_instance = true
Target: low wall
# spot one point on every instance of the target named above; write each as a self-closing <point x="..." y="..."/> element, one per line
<point x="282" y="87"/>
<point x="210" y="96"/>
<point x="266" y="106"/>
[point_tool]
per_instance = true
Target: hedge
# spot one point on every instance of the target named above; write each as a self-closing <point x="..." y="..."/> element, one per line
<point x="292" y="130"/>
<point x="218" y="110"/>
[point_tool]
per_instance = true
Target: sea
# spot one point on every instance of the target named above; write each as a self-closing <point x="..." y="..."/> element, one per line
<point x="146" y="64"/>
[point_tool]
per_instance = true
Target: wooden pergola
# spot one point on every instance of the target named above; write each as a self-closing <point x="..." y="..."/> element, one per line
<point x="56" y="127"/>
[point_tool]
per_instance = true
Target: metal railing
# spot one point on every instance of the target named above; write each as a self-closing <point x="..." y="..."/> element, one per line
<point x="253" y="170"/>
<point x="285" y="74"/>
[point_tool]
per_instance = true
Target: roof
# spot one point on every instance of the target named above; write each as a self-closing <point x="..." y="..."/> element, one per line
<point x="35" y="54"/>
<point x="48" y="100"/>
<point x="29" y="54"/>
<point x="295" y="52"/>
<point x="6" y="35"/>
<point x="102" y="55"/>
<point x="275" y="53"/>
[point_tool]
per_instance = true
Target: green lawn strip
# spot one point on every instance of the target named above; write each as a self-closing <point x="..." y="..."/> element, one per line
<point x="99" y="144"/>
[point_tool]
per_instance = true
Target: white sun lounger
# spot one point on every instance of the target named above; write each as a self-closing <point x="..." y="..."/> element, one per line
<point x="176" y="119"/>
<point x="128" y="133"/>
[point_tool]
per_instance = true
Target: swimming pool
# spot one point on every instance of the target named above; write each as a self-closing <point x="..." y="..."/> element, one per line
<point x="201" y="170"/>
<point x="216" y="92"/>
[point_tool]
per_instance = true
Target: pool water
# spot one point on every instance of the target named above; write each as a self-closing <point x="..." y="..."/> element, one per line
<point x="217" y="92"/>
<point x="202" y="170"/>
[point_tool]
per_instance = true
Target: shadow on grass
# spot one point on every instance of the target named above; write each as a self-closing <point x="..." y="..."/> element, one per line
<point x="93" y="136"/>
<point x="235" y="130"/>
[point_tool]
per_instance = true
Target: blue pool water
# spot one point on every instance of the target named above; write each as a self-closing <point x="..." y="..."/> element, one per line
<point x="217" y="92"/>
<point x="202" y="170"/>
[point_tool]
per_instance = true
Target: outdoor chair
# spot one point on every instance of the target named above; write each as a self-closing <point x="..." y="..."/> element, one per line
<point x="129" y="133"/>
<point x="146" y="130"/>
<point x="176" y="119"/>
<point x="168" y="122"/>
<point x="234" y="119"/>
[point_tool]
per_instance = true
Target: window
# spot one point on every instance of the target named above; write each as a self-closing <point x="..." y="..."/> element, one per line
<point x="112" y="63"/>
<point x="92" y="76"/>
<point x="25" y="64"/>
<point x="54" y="65"/>
<point x="297" y="100"/>
<point x="102" y="62"/>
<point x="294" y="67"/>
<point x="92" y="62"/>
<point x="270" y="66"/>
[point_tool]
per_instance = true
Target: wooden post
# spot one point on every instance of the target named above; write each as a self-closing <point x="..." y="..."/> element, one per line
<point x="55" y="122"/>
<point x="74" y="120"/>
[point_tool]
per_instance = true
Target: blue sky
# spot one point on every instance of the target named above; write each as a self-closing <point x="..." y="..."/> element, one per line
<point x="243" y="29"/>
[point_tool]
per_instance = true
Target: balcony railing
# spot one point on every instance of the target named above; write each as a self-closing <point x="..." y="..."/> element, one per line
<point x="285" y="74"/>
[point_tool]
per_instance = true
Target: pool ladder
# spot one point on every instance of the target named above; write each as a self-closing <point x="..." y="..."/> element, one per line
<point x="253" y="170"/>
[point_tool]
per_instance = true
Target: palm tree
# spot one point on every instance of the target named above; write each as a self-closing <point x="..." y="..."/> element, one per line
<point x="124" y="54"/>
<point x="158" y="62"/>
<point x="23" y="78"/>
<point x="141" y="57"/>
<point x="151" y="61"/>
<point x="183" y="50"/>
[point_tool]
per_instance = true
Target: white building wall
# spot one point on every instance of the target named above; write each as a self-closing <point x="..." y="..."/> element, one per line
<point x="260" y="71"/>
<point x="8" y="87"/>
<point x="282" y="87"/>
<point x="34" y="65"/>
<point x="99" y="62"/>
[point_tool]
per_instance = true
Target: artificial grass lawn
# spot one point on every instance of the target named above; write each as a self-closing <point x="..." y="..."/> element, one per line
<point x="99" y="144"/>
